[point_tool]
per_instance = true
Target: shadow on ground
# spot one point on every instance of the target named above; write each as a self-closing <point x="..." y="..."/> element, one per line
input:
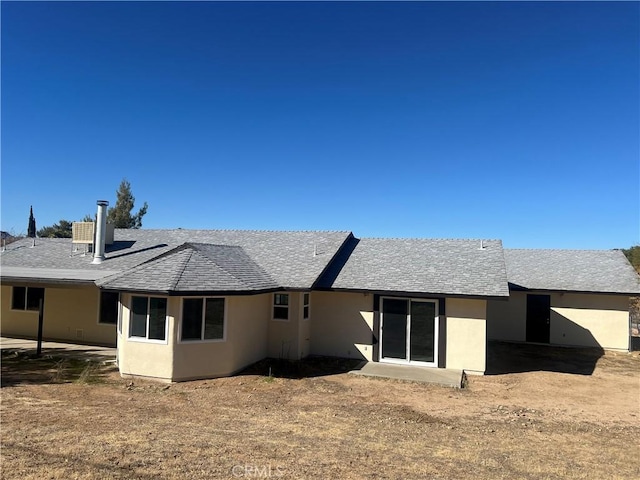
<point x="305" y="368"/>
<point x="24" y="368"/>
<point x="505" y="357"/>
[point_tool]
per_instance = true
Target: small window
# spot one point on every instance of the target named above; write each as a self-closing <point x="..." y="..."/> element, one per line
<point x="27" y="298"/>
<point x="281" y="306"/>
<point x="109" y="307"/>
<point x="202" y="319"/>
<point x="148" y="318"/>
<point x="305" y="306"/>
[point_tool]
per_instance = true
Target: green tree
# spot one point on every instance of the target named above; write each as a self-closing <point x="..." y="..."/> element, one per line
<point x="633" y="255"/>
<point x="120" y="214"/>
<point x="62" y="229"/>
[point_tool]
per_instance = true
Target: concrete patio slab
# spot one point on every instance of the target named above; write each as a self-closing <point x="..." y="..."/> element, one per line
<point x="439" y="376"/>
<point x="89" y="352"/>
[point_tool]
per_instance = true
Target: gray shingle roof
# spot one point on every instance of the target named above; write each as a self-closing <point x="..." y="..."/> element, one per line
<point x="605" y="271"/>
<point x="452" y="267"/>
<point x="292" y="259"/>
<point x="195" y="268"/>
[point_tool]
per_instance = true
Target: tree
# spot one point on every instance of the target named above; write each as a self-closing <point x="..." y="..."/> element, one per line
<point x="31" y="230"/>
<point x="62" y="229"/>
<point x="633" y="255"/>
<point x="120" y="214"/>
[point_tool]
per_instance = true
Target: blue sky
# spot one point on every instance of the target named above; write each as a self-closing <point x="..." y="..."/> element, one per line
<point x="510" y="120"/>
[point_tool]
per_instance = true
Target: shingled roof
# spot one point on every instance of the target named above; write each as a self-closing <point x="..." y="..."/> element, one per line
<point x="195" y="268"/>
<point x="597" y="271"/>
<point x="292" y="260"/>
<point x="423" y="266"/>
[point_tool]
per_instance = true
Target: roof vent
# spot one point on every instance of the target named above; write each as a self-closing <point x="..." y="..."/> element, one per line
<point x="98" y="251"/>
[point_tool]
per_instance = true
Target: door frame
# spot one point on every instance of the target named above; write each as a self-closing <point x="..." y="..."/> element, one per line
<point x="436" y="333"/>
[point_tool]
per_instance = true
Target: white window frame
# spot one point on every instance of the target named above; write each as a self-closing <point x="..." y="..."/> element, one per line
<point x="306" y="296"/>
<point x="274" y="305"/>
<point x="106" y="324"/>
<point x="436" y="333"/>
<point x="202" y="320"/>
<point x="26" y="296"/>
<point x="146" y="339"/>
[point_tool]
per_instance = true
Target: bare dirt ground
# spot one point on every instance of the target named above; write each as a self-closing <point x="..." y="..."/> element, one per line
<point x="64" y="420"/>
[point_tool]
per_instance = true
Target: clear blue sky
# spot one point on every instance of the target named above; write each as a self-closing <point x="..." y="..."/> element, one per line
<point x="509" y="120"/>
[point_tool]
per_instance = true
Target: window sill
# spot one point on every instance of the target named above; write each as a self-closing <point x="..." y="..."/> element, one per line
<point x="208" y="340"/>
<point x="147" y="340"/>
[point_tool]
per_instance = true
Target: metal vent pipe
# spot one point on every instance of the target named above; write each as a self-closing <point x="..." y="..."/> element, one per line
<point x="101" y="230"/>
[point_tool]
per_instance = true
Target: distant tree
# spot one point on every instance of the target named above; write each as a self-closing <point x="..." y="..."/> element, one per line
<point x="31" y="230"/>
<point x="62" y="229"/>
<point x="120" y="214"/>
<point x="633" y="255"/>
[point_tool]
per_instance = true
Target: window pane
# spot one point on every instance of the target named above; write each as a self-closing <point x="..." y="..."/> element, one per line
<point x="34" y="295"/>
<point x="108" y="307"/>
<point x="306" y="311"/>
<point x="138" y="317"/>
<point x="306" y="299"/>
<point x="423" y="322"/>
<point x="18" y="298"/>
<point x="394" y="328"/>
<point x="281" y="313"/>
<point x="214" y="318"/>
<point x="281" y="299"/>
<point x="191" y="319"/>
<point x="157" y="318"/>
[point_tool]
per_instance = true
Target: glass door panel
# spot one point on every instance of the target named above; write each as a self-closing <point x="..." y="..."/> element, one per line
<point x="423" y="321"/>
<point x="394" y="328"/>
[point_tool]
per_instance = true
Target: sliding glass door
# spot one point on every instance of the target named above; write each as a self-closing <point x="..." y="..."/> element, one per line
<point x="409" y="331"/>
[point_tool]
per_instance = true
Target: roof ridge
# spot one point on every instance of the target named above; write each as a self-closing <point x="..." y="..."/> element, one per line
<point x="231" y="274"/>
<point x="231" y="230"/>
<point x="433" y="239"/>
<point x="178" y="275"/>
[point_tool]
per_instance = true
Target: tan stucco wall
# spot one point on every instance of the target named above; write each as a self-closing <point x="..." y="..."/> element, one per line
<point x="70" y="314"/>
<point x="589" y="320"/>
<point x="145" y="358"/>
<point x="284" y="336"/>
<point x="506" y="318"/>
<point x="245" y="343"/>
<point x="342" y="324"/>
<point x="304" y="329"/>
<point x="466" y="335"/>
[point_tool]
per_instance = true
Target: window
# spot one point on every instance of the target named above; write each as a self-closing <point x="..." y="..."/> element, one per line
<point x="202" y="319"/>
<point x="305" y="306"/>
<point x="148" y="318"/>
<point x="281" y="306"/>
<point x="109" y="308"/>
<point x="26" y="298"/>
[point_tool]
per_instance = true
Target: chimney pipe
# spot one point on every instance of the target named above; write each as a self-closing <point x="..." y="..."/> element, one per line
<point x="101" y="228"/>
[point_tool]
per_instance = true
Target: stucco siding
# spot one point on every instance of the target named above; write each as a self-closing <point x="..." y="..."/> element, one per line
<point x="283" y="335"/>
<point x="342" y="324"/>
<point x="590" y="320"/>
<point x="245" y="342"/>
<point x="466" y="335"/>
<point x="70" y="314"/>
<point x="576" y="319"/>
<point x="145" y="358"/>
<point x="506" y="319"/>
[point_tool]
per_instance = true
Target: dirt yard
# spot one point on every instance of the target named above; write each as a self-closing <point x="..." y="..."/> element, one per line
<point x="66" y="420"/>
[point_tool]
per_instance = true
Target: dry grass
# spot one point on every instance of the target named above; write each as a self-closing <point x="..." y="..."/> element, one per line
<point x="531" y="425"/>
